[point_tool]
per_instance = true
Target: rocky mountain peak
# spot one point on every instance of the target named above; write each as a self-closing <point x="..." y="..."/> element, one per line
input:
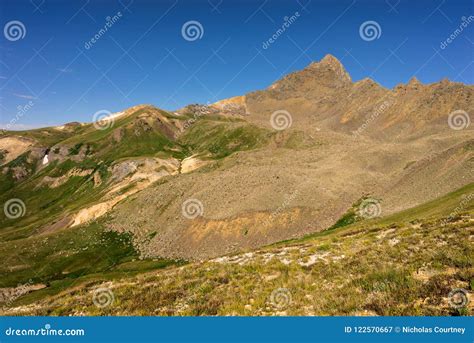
<point x="327" y="73"/>
<point x="329" y="62"/>
<point x="414" y="83"/>
<point x="329" y="70"/>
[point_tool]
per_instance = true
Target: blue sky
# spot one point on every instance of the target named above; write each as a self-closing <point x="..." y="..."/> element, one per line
<point x="144" y="58"/>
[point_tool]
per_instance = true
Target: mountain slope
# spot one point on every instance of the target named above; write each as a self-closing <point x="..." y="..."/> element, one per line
<point x="322" y="95"/>
<point x="406" y="264"/>
<point x="147" y="188"/>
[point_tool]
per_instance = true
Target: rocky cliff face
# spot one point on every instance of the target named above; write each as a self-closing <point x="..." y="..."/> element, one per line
<point x="323" y="95"/>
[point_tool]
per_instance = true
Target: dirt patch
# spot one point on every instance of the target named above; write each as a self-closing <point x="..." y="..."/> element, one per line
<point x="192" y="163"/>
<point x="140" y="173"/>
<point x="12" y="147"/>
<point x="201" y="238"/>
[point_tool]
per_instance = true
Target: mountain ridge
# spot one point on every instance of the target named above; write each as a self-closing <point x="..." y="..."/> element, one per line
<point x="328" y="61"/>
<point x="122" y="186"/>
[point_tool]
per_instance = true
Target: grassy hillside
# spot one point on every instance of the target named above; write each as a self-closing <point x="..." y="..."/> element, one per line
<point x="49" y="136"/>
<point x="147" y="132"/>
<point x="405" y="264"/>
<point x="37" y="248"/>
<point x="220" y="138"/>
<point x="43" y="203"/>
<point x="59" y="260"/>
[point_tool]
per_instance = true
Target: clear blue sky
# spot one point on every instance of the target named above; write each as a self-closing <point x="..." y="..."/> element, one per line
<point x="143" y="57"/>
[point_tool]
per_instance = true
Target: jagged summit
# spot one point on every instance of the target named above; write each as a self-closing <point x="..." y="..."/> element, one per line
<point x="324" y="95"/>
<point x="326" y="73"/>
<point x="414" y="81"/>
<point x="328" y="59"/>
<point x="329" y="62"/>
<point x="367" y="81"/>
